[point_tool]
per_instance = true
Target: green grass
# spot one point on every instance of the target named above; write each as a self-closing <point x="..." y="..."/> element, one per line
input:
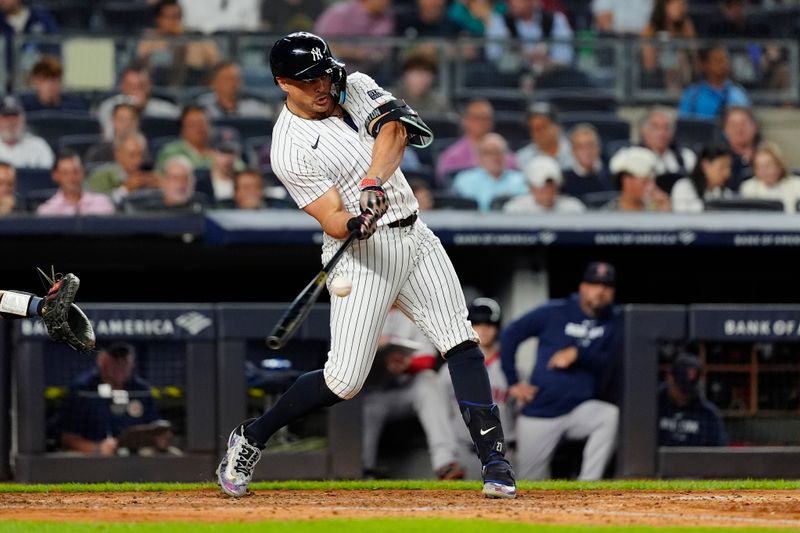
<point x="633" y="484"/>
<point x="351" y="526"/>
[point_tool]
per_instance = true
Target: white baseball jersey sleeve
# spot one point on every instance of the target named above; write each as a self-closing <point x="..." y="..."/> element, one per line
<point x="311" y="156"/>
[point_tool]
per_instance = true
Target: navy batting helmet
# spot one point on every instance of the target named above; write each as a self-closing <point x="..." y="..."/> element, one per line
<point x="484" y="311"/>
<point x="305" y="56"/>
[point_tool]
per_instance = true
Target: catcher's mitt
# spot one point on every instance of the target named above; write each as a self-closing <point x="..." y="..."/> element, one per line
<point x="65" y="322"/>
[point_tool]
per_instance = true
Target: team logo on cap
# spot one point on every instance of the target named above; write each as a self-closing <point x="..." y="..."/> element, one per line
<point x="316" y="54"/>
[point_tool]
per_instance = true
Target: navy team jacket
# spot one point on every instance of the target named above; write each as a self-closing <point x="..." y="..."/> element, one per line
<point x="560" y="324"/>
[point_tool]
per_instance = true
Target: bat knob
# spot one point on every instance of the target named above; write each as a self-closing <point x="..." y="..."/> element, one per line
<point x="274" y="342"/>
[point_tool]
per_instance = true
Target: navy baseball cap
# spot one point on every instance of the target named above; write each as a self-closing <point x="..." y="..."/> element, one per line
<point x="600" y="272"/>
<point x="9" y="105"/>
<point x="687" y="369"/>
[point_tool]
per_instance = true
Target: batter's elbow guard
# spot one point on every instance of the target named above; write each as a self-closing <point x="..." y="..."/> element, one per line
<point x="418" y="133"/>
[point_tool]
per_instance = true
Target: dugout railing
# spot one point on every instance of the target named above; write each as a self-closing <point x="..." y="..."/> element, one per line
<point x="250" y="377"/>
<point x="648" y="329"/>
<point x="177" y="346"/>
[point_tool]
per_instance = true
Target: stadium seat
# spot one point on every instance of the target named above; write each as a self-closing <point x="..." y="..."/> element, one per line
<point x="70" y="14"/>
<point x="126" y="16"/>
<point x="498" y="203"/>
<point x="609" y="126"/>
<point x="52" y="125"/>
<point x="513" y="127"/>
<point x="34" y="198"/>
<point x="154" y="127"/>
<point x="79" y="143"/>
<point x="442" y="125"/>
<point x="564" y="78"/>
<point x="31" y="179"/>
<point x="743" y="204"/>
<point x="571" y="101"/>
<point x="596" y="200"/>
<point x="202" y="182"/>
<point x="448" y="200"/>
<point x="696" y="132"/>
<point x="246" y="126"/>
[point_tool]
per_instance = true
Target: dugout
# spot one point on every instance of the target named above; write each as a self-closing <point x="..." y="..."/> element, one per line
<point x="751" y="355"/>
<point x="175" y="347"/>
<point x="323" y="445"/>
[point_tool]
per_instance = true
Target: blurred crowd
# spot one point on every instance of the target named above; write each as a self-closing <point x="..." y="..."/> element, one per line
<point x="187" y="128"/>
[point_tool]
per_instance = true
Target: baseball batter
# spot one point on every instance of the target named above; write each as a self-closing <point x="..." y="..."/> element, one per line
<point x="337" y="146"/>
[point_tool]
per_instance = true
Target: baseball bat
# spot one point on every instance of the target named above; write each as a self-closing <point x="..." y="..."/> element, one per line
<point x="302" y="305"/>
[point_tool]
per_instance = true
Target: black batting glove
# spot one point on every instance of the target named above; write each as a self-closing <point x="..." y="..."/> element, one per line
<point x="364" y="224"/>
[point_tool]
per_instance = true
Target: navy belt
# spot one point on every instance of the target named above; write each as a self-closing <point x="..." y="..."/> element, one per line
<point x="404" y="223"/>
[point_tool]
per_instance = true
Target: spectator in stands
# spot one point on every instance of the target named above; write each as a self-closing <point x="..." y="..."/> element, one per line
<point x="772" y="179"/>
<point x="493" y="179"/>
<point x="403" y="382"/>
<point x="226" y="99"/>
<point x="733" y="21"/>
<point x="665" y="63"/>
<point x="71" y="198"/>
<point x="18" y="146"/>
<point x="476" y="121"/>
<point x="126" y="173"/>
<point x="211" y="16"/>
<point x="134" y="86"/>
<point x="416" y="86"/>
<point x="472" y="16"/>
<point x="286" y="16"/>
<point x="248" y="190"/>
<point x="742" y="135"/>
<point x="710" y="97"/>
<point x="91" y="417"/>
<point x="428" y="19"/>
<point x="707" y="180"/>
<point x="124" y="120"/>
<point x="685" y="416"/>
<point x="8" y="197"/>
<point x="588" y="173"/>
<point x="422" y="192"/>
<point x="46" y="80"/>
<point x="622" y="17"/>
<point x="180" y="62"/>
<point x="634" y="173"/>
<point x="546" y="137"/>
<point x="529" y="23"/>
<point x="544" y="180"/>
<point x="575" y="359"/>
<point x="657" y="132"/>
<point x="16" y="18"/>
<point x="225" y="162"/>
<point x="178" y="186"/>
<point x="350" y="18"/>
<point x="195" y="133"/>
<point x="485" y="315"/>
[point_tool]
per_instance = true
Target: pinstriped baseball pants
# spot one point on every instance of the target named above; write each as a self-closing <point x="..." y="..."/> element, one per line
<point x="406" y="265"/>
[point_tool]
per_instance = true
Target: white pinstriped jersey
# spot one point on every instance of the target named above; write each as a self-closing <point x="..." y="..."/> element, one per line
<point x="311" y="156"/>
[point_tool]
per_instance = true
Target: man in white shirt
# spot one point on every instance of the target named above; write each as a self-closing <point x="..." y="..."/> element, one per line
<point x="209" y="16"/>
<point x="533" y="26"/>
<point x="657" y="131"/>
<point x="226" y="99"/>
<point x="19" y="147"/>
<point x="544" y="179"/>
<point x="621" y="16"/>
<point x="135" y="86"/>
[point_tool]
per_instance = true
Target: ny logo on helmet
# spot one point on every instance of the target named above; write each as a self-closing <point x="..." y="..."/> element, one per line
<point x="316" y="54"/>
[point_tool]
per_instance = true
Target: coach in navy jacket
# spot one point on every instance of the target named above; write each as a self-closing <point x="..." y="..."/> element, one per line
<point x="577" y="348"/>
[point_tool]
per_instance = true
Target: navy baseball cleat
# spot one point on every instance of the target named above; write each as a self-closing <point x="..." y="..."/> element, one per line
<point x="498" y="479"/>
<point x="236" y="468"/>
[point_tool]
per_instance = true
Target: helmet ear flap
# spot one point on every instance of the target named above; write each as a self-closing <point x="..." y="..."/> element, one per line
<point x="338" y="84"/>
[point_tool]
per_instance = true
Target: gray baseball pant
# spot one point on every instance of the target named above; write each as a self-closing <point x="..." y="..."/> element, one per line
<point x="537" y="439"/>
<point x="422" y="396"/>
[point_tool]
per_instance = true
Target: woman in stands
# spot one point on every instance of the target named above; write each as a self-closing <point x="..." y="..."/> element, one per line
<point x="707" y="181"/>
<point x="772" y="180"/>
<point x="667" y="64"/>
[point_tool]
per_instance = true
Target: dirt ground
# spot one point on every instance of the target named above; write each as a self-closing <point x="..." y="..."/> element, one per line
<point x="685" y="508"/>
